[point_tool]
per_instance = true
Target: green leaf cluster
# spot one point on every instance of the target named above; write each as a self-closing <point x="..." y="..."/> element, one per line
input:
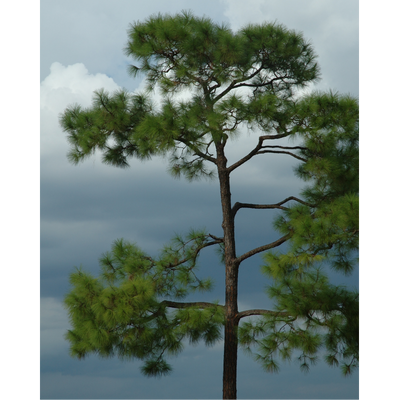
<point x="311" y="314"/>
<point x="123" y="311"/>
<point x="109" y="126"/>
<point x="327" y="233"/>
<point x="329" y="130"/>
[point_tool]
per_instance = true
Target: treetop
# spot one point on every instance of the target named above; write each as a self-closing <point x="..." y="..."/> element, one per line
<point x="183" y="50"/>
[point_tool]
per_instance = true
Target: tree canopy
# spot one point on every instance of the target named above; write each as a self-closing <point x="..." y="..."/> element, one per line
<point x="183" y="52"/>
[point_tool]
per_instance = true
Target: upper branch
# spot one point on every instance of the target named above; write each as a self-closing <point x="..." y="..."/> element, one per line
<point x="279" y="136"/>
<point x="282" y="152"/>
<point x="285" y="147"/>
<point x="239" y="205"/>
<point x="270" y="82"/>
<point x="234" y="82"/>
<point x="246" y="158"/>
<point x="256" y="150"/>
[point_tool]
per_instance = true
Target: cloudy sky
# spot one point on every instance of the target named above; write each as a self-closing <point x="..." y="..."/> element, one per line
<point x="85" y="208"/>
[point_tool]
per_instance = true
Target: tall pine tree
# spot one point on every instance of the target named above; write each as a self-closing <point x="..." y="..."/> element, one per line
<point x="252" y="78"/>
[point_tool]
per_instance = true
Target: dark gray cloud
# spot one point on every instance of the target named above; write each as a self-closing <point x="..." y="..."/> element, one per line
<point x="85" y="208"/>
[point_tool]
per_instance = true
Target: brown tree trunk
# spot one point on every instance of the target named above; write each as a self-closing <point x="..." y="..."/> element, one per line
<point x="231" y="281"/>
<point x="230" y="345"/>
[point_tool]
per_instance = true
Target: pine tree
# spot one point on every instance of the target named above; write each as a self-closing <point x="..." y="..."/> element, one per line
<point x="252" y="78"/>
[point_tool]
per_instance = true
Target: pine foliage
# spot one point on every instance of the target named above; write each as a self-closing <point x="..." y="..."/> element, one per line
<point x="324" y="232"/>
<point x="123" y="312"/>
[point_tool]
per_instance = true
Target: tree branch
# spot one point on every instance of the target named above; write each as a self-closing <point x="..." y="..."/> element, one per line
<point x="217" y="239"/>
<point x="196" y="253"/>
<point x="199" y="304"/>
<point x="257" y="250"/>
<point x="256" y="149"/>
<point x="282" y="152"/>
<point x="248" y="313"/>
<point x="104" y="104"/>
<point x="236" y="83"/>
<point x="285" y="147"/>
<point x="270" y="82"/>
<point x="197" y="151"/>
<point x="298" y="200"/>
<point x="246" y="158"/>
<point x="239" y="205"/>
<point x="227" y="90"/>
<point x="279" y="136"/>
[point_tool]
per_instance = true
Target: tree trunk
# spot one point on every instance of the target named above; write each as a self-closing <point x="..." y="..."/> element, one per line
<point x="230" y="345"/>
<point x="231" y="281"/>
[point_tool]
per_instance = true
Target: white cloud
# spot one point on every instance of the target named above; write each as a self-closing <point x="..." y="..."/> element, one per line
<point x="73" y="80"/>
<point x="65" y="85"/>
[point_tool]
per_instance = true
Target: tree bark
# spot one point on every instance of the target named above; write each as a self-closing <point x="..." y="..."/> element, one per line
<point x="231" y="280"/>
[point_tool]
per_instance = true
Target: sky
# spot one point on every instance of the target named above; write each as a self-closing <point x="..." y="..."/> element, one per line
<point x="84" y="208"/>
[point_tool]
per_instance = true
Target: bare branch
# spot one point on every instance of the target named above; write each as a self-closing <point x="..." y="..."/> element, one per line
<point x="285" y="147"/>
<point x="239" y="205"/>
<point x="217" y="239"/>
<point x="298" y="200"/>
<point x="249" y="313"/>
<point x="279" y="136"/>
<point x="257" y="149"/>
<point x="246" y="158"/>
<point x="260" y="249"/>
